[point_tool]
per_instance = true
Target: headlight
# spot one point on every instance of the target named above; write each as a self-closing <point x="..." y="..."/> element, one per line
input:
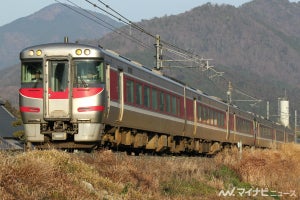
<point x="87" y="52"/>
<point x="31" y="53"/>
<point x="78" y="52"/>
<point x="39" y="52"/>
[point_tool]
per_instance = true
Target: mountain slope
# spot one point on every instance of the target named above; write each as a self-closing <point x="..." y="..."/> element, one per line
<point x="256" y="45"/>
<point x="50" y="24"/>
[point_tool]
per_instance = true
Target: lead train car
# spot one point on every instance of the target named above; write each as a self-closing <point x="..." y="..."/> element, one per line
<point x="80" y="96"/>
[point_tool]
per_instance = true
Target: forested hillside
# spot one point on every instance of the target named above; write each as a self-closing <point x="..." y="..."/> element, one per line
<point x="257" y="45"/>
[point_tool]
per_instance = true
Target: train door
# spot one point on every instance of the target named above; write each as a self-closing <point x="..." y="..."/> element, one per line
<point x="195" y="116"/>
<point x="108" y="92"/>
<point x="121" y="94"/>
<point x="57" y="101"/>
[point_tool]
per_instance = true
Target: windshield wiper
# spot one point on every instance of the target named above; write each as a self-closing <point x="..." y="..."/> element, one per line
<point x="83" y="82"/>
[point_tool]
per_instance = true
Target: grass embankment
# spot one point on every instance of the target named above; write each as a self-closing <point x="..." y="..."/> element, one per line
<point x="104" y="175"/>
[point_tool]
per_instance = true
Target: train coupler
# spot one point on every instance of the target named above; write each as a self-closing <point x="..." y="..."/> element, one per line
<point x="59" y="136"/>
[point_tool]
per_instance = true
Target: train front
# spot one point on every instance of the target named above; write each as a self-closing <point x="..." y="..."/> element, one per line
<point x="62" y="97"/>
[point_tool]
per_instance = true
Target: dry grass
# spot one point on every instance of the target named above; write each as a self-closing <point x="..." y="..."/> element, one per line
<point x="48" y="175"/>
<point x="105" y="175"/>
<point x="155" y="177"/>
<point x="276" y="169"/>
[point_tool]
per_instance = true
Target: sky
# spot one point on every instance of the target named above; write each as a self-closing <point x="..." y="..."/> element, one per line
<point x="134" y="10"/>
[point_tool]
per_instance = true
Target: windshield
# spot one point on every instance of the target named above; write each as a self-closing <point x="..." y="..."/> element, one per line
<point x="32" y="74"/>
<point x="88" y="73"/>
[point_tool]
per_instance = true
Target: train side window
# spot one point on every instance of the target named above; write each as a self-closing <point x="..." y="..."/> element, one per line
<point x="215" y="113"/>
<point x="168" y="103"/>
<point x="266" y="132"/>
<point x="139" y="93"/>
<point x="154" y="99"/>
<point x="243" y="125"/>
<point x="223" y="120"/>
<point x="146" y="96"/>
<point x="204" y="114"/>
<point x="210" y="116"/>
<point x="199" y="109"/>
<point x="174" y="105"/>
<point x="220" y="119"/>
<point x="178" y="106"/>
<point x="161" y="101"/>
<point x="239" y="124"/>
<point x="101" y="72"/>
<point x="279" y="135"/>
<point x="129" y="91"/>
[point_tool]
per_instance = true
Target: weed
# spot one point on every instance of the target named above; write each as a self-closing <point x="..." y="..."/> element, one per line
<point x="230" y="177"/>
<point x="175" y="187"/>
<point x="54" y="174"/>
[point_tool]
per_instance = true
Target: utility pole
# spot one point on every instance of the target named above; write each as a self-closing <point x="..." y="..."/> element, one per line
<point x="229" y="91"/>
<point x="296" y="129"/>
<point x="268" y="110"/>
<point x="158" y="53"/>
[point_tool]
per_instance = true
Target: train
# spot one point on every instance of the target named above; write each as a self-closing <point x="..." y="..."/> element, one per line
<point x="78" y="96"/>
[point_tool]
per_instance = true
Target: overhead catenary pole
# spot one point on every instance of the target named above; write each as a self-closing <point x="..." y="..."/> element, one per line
<point x="296" y="126"/>
<point x="268" y="110"/>
<point x="229" y="100"/>
<point x="158" y="53"/>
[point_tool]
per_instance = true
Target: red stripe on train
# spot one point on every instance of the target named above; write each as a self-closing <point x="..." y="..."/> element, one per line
<point x="86" y="92"/>
<point x="29" y="109"/>
<point x="32" y="92"/>
<point x="77" y="93"/>
<point x="90" y="108"/>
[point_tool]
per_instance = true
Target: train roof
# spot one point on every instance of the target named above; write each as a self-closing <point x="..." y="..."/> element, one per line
<point x="55" y="49"/>
<point x="160" y="75"/>
<point x="60" y="45"/>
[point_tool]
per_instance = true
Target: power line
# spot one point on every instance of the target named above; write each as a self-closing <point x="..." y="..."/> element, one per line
<point x="129" y="22"/>
<point x="185" y="55"/>
<point x="172" y="48"/>
<point x="89" y="17"/>
<point x="188" y="56"/>
<point x="105" y="24"/>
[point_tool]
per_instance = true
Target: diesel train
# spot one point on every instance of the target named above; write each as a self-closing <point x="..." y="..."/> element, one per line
<point x="76" y="96"/>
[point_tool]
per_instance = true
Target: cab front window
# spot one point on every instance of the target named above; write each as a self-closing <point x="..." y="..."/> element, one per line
<point x="32" y="74"/>
<point x="88" y="73"/>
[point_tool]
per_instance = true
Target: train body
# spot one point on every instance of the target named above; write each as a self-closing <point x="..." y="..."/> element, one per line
<point x="80" y="96"/>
